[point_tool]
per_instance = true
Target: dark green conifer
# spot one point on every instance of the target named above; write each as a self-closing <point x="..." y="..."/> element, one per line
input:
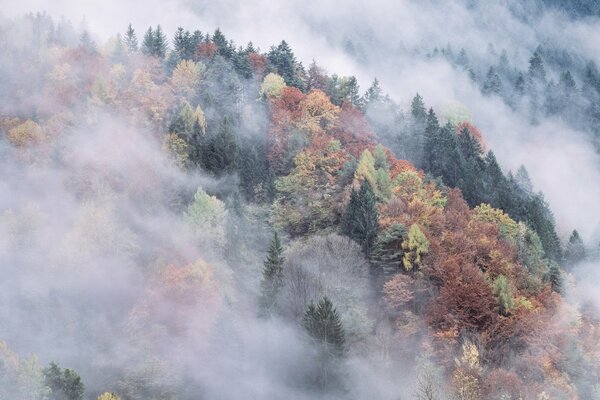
<point x="272" y="277"/>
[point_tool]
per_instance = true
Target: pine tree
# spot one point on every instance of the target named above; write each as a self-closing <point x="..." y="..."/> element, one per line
<point x="474" y="166"/>
<point x="492" y="84"/>
<point x="159" y="43"/>
<point x="282" y="59"/>
<point x="148" y="42"/>
<point x="224" y="48"/>
<point x="417" y="109"/>
<point x="322" y="322"/>
<point x="555" y="277"/>
<point x="540" y="218"/>
<point x="183" y="44"/>
<point x="86" y="42"/>
<point x="374" y="93"/>
<point x="219" y="155"/>
<point x="360" y="219"/>
<point x="537" y="72"/>
<point x="272" y="277"/>
<point x="388" y="252"/>
<point x="64" y="384"/>
<point x="131" y="42"/>
<point x="575" y="250"/>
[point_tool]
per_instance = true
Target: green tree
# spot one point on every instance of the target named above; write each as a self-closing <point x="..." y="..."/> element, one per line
<point x="322" y="322"/>
<point x="272" y="277"/>
<point x="283" y="61"/>
<point x="387" y="251"/>
<point x="148" y="42"/>
<point x="64" y="384"/>
<point x="575" y="250"/>
<point x="131" y="42"/>
<point x="417" y="109"/>
<point x="537" y="71"/>
<point x="219" y="155"/>
<point x="555" y="277"/>
<point x="159" y="43"/>
<point x="359" y="222"/>
<point x="493" y="83"/>
<point x="374" y="93"/>
<point x="183" y="44"/>
<point x="540" y="218"/>
<point x="503" y="293"/>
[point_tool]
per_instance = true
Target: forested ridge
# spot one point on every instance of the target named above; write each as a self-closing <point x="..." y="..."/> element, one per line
<point x="184" y="217"/>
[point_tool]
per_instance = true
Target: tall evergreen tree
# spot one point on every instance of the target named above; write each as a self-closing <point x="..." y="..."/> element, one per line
<point x="540" y="218"/>
<point x="183" y="44"/>
<point x="493" y="83"/>
<point x="282" y="59"/>
<point x="417" y="109"/>
<point x="537" y="71"/>
<point x="474" y="167"/>
<point x="272" y="277"/>
<point x="322" y="322"/>
<point x="575" y="250"/>
<point x="219" y="155"/>
<point x="64" y="384"/>
<point x="130" y="41"/>
<point x="159" y="43"/>
<point x="359" y="222"/>
<point x="148" y="42"/>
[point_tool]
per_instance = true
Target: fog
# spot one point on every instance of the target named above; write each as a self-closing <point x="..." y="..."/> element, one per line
<point x="86" y="229"/>
<point x="389" y="40"/>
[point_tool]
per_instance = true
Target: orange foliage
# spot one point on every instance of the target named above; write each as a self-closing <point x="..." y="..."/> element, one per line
<point x="473" y="130"/>
<point x="206" y="50"/>
<point x="258" y="62"/>
<point x="353" y="130"/>
<point x="181" y="300"/>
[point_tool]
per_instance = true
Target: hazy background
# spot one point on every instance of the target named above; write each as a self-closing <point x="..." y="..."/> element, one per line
<point x="388" y="40"/>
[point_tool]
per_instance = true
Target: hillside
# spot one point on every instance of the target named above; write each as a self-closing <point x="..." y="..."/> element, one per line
<point x="183" y="217"/>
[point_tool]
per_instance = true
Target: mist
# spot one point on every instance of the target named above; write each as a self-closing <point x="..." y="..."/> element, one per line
<point x="132" y="260"/>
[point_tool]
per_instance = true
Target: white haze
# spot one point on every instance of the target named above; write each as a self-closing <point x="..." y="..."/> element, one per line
<point x="88" y="238"/>
<point x="561" y="162"/>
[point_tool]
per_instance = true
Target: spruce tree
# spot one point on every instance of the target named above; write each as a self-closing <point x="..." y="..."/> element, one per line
<point x="272" y="277"/>
<point x="64" y="384"/>
<point x="492" y="84"/>
<point x="148" y="42"/>
<point x="575" y="250"/>
<point x="417" y="109"/>
<point x="131" y="42"/>
<point x="159" y="43"/>
<point x="537" y="72"/>
<point x="283" y="61"/>
<point x="322" y="322"/>
<point x="359" y="222"/>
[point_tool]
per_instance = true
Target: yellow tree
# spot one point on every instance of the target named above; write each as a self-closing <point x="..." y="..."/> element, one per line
<point x="271" y="86"/>
<point x="186" y="78"/>
<point x="26" y="134"/>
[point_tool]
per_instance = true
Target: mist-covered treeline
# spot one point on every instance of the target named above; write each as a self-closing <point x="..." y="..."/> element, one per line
<point x="184" y="217"/>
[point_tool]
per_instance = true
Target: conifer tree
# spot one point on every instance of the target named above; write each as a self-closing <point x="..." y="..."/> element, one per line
<point x="537" y="72"/>
<point x="148" y="42"/>
<point x="131" y="42"/>
<point x="575" y="250"/>
<point x="417" y="109"/>
<point x="64" y="384"/>
<point x="283" y="61"/>
<point x="492" y="84"/>
<point x="322" y="322"/>
<point x="360" y="219"/>
<point x="159" y="44"/>
<point x="272" y="277"/>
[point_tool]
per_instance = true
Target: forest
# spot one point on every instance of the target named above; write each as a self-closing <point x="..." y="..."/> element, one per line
<point x="185" y="217"/>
